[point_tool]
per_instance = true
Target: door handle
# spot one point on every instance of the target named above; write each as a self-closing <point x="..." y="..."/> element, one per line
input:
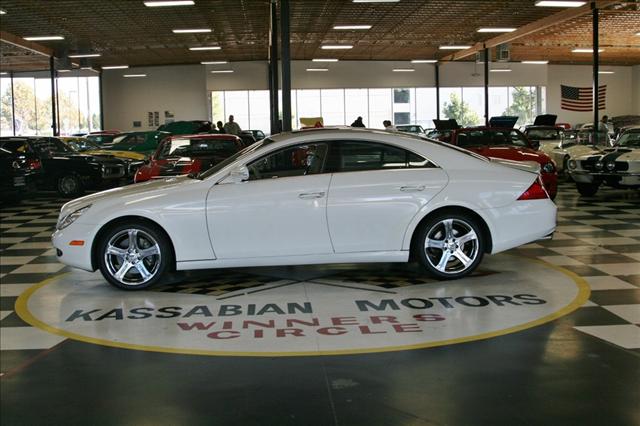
<point x="412" y="188"/>
<point x="310" y="195"/>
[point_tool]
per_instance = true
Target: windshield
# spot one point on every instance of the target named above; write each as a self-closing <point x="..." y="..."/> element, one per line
<point x="82" y="145"/>
<point x="221" y="165"/>
<point x="197" y="147"/>
<point x="15" y="146"/>
<point x="100" y="139"/>
<point x="543" y="134"/>
<point x="629" y="140"/>
<point x="485" y="137"/>
<point x="410" y="129"/>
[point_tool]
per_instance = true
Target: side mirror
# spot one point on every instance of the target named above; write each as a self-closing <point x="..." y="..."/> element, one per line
<point x="239" y="174"/>
<point x="535" y="144"/>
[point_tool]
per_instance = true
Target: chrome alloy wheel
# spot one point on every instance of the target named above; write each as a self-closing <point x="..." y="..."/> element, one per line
<point x="451" y="246"/>
<point x="132" y="257"/>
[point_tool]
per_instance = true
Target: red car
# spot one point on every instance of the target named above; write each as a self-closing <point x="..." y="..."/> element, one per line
<point x="184" y="154"/>
<point x="508" y="144"/>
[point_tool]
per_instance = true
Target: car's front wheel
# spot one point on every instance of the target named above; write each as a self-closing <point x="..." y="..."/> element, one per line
<point x="450" y="245"/>
<point x="587" y="189"/>
<point x="134" y="256"/>
<point x="70" y="186"/>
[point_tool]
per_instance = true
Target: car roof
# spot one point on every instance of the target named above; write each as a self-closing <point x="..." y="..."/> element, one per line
<point x="220" y="136"/>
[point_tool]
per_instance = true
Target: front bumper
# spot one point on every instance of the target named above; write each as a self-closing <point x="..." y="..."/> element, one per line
<point x="78" y="256"/>
<point x="622" y="178"/>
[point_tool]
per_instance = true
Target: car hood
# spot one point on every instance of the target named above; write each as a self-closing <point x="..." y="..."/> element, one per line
<point x="129" y="155"/>
<point x="512" y="153"/>
<point x="129" y="194"/>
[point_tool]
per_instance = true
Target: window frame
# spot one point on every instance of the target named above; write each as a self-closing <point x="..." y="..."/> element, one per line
<point x="291" y="147"/>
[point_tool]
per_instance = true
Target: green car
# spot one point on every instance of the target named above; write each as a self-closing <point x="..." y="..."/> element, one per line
<point x="143" y="142"/>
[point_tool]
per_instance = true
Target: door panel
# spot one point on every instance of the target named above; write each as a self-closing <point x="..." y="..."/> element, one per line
<point x="370" y="210"/>
<point x="270" y="217"/>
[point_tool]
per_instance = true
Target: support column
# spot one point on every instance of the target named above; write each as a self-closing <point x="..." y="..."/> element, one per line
<point x="486" y="86"/>
<point x="273" y="70"/>
<point x="285" y="40"/>
<point x="437" y="91"/>
<point x="596" y="66"/>
<point x="102" y="102"/>
<point x="13" y="108"/>
<point x="54" y="97"/>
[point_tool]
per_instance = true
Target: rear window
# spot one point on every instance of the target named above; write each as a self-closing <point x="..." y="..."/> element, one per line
<point x="195" y="147"/>
<point x="15" y="146"/>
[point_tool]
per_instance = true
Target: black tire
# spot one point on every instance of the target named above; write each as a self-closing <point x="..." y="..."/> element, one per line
<point x="434" y="229"/>
<point x="70" y="186"/>
<point x="132" y="260"/>
<point x="587" y="189"/>
<point x="565" y="169"/>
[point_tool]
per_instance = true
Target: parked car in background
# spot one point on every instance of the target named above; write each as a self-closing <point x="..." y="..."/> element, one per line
<point x="411" y="128"/>
<point x="247" y="138"/>
<point x="18" y="170"/>
<point x="312" y="197"/>
<point x="617" y="167"/>
<point x="187" y="127"/>
<point x="184" y="154"/>
<point x="141" y="142"/>
<point x="103" y="136"/>
<point x="64" y="169"/>
<point x="558" y="143"/>
<point x="258" y="135"/>
<point x="508" y="144"/>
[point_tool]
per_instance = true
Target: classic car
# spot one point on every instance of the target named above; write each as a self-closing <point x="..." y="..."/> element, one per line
<point x="508" y="144"/>
<point x="63" y="168"/>
<point x="187" y="127"/>
<point x="411" y="128"/>
<point x="141" y="142"/>
<point x="618" y="167"/>
<point x="258" y="135"/>
<point x="311" y="197"/>
<point x="18" y="171"/>
<point x="558" y="143"/>
<point x="181" y="155"/>
<point x="132" y="160"/>
<point x="246" y="137"/>
<point x="102" y="136"/>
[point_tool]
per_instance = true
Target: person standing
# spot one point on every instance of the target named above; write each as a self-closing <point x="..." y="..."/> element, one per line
<point x="603" y="130"/>
<point x="231" y="127"/>
<point x="220" y="127"/>
<point x="358" y="123"/>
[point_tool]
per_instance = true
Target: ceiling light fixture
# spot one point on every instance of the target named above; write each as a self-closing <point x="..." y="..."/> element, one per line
<point x="115" y="67"/>
<point x="500" y="70"/>
<point x="3" y="73"/>
<point x="496" y="30"/>
<point x="455" y="47"/>
<point x="606" y="72"/>
<point x="424" y="61"/>
<point x="85" y="55"/>
<point x="535" y="62"/>
<point x="638" y="33"/>
<point x="352" y="27"/>
<point x="134" y="75"/>
<point x="317" y="69"/>
<point x="221" y="71"/>
<point x="403" y="70"/>
<point x="206" y="48"/>
<point x="337" y="46"/>
<point x="214" y="62"/>
<point x="3" y="12"/>
<point x="192" y="30"/>
<point x="553" y="3"/>
<point x="585" y="50"/>
<point x="64" y="70"/>
<point x="43" y="38"/>
<point x="376" y="1"/>
<point x="169" y="3"/>
<point x="324" y="60"/>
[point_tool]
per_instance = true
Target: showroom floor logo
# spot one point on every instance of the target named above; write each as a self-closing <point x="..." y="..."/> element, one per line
<point x="313" y="317"/>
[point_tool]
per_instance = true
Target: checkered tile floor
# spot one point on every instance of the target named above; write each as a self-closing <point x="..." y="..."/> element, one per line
<point x="598" y="238"/>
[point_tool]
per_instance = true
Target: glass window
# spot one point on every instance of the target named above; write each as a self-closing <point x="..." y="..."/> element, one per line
<point x="43" y="106"/>
<point x="308" y="103"/>
<point x="333" y="107"/>
<point x="6" y="111"/>
<point x="401" y="96"/>
<point x="217" y="107"/>
<point x="197" y="147"/>
<point x="351" y="156"/>
<point x="24" y="100"/>
<point x="236" y="103"/>
<point x="293" y="161"/>
<point x="259" y="118"/>
<point x="404" y="106"/>
<point x="522" y="103"/>
<point x="50" y="145"/>
<point x="380" y="103"/>
<point x="498" y="101"/>
<point x="473" y="99"/>
<point x="425" y="107"/>
<point x="357" y="105"/>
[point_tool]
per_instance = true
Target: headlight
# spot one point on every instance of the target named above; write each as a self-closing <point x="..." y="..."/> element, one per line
<point x="611" y="165"/>
<point x="548" y="167"/>
<point x="573" y="164"/>
<point x="71" y="217"/>
<point x="599" y="165"/>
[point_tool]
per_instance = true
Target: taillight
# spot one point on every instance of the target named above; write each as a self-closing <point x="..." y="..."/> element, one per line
<point x="535" y="192"/>
<point x="34" y="164"/>
<point x="193" y="167"/>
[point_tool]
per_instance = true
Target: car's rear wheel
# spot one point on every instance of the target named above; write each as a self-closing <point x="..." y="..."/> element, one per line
<point x="450" y="245"/>
<point x="70" y="186"/>
<point x="565" y="168"/>
<point x="587" y="189"/>
<point x="134" y="256"/>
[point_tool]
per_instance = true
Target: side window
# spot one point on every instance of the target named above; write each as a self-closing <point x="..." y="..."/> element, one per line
<point x="299" y="160"/>
<point x="359" y="156"/>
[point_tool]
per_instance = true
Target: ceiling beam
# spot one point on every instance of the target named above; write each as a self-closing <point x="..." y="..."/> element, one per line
<point x="24" y="44"/>
<point x="531" y="28"/>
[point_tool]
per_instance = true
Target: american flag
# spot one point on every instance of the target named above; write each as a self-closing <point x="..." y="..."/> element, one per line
<point x="581" y="98"/>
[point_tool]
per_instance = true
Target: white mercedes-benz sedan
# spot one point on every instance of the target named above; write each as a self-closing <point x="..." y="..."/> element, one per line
<point x="332" y="195"/>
